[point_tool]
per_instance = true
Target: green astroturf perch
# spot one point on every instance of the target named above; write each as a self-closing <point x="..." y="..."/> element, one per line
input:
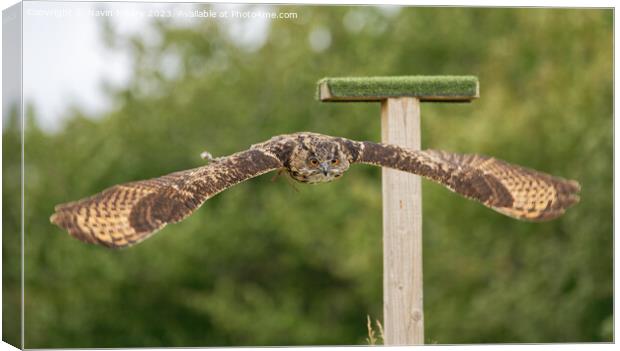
<point x="424" y="88"/>
<point x="400" y="97"/>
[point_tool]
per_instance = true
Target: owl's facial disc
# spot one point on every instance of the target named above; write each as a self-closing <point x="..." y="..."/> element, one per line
<point x="323" y="164"/>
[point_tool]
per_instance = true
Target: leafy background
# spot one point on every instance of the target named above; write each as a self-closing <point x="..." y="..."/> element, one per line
<point x="264" y="264"/>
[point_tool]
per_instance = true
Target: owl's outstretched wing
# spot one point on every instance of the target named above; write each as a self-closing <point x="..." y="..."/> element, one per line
<point x="513" y="190"/>
<point x="126" y="214"/>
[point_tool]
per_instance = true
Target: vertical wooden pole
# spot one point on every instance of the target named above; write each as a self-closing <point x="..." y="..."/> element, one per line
<point x="403" y="312"/>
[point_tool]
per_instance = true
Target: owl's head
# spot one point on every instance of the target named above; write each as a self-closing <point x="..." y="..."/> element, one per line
<point x="318" y="162"/>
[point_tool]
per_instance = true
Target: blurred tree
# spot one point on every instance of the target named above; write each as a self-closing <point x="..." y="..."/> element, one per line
<point x="11" y="238"/>
<point x="268" y="265"/>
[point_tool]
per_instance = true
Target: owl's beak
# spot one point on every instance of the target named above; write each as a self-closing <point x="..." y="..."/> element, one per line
<point x="324" y="167"/>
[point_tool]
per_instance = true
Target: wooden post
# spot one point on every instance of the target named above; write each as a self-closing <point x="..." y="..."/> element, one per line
<point x="400" y="98"/>
<point x="402" y="229"/>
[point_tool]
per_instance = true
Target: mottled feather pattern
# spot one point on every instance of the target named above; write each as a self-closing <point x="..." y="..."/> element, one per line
<point x="513" y="190"/>
<point x="126" y="214"/>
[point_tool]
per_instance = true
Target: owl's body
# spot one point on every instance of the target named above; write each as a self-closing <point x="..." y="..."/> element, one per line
<point x="129" y="213"/>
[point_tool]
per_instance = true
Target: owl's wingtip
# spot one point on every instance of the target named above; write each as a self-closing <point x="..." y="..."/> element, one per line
<point x="568" y="195"/>
<point x="57" y="217"/>
<point x="54" y="218"/>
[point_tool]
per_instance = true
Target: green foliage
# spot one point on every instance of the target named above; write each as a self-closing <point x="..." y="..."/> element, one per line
<point x="443" y="86"/>
<point x="264" y="264"/>
<point x="11" y="239"/>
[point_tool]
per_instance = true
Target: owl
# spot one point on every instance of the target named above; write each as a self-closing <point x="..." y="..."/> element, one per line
<point x="126" y="214"/>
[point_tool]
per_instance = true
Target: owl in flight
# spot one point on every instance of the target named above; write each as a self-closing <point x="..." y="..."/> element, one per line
<point x="128" y="213"/>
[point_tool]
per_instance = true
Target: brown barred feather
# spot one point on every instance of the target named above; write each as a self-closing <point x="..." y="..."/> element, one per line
<point x="126" y="214"/>
<point x="513" y="190"/>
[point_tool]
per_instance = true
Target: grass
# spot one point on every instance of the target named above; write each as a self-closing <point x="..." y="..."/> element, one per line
<point x="372" y="336"/>
<point x="393" y="86"/>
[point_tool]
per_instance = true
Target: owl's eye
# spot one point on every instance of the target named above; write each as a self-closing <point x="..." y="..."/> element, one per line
<point x="335" y="161"/>
<point x="314" y="162"/>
